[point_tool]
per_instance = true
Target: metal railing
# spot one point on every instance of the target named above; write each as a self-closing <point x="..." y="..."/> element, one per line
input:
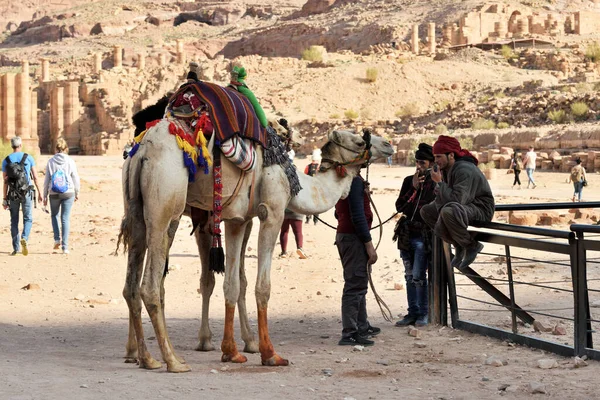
<point x="566" y="251"/>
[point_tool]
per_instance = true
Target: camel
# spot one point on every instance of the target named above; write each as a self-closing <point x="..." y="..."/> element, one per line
<point x="156" y="192"/>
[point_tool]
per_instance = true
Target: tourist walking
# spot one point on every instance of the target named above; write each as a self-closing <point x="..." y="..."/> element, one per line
<point x="294" y="220"/>
<point x="517" y="166"/>
<point x="579" y="179"/>
<point x="529" y="163"/>
<point x="62" y="186"/>
<point x="414" y="242"/>
<point x="311" y="170"/>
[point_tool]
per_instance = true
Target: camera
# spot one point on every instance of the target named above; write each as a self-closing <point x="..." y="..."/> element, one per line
<point x="425" y="173"/>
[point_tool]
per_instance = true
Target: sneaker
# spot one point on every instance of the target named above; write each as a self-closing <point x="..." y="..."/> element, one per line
<point x="354" y="340"/>
<point x="301" y="254"/>
<point x="423" y="320"/>
<point x="534" y="186"/>
<point x="407" y="320"/>
<point x="470" y="255"/>
<point x="371" y="331"/>
<point x="66" y="251"/>
<point x="56" y="245"/>
<point x="14" y="253"/>
<point x="24" y="247"/>
<point x="283" y="254"/>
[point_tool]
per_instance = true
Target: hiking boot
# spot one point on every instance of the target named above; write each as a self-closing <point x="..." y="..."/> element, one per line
<point x="423" y="320"/>
<point x="24" y="247"/>
<point x="371" y="331"/>
<point x="301" y="253"/>
<point x="470" y="255"/>
<point x="458" y="257"/>
<point x="56" y="245"/>
<point x="407" y="320"/>
<point x="354" y="340"/>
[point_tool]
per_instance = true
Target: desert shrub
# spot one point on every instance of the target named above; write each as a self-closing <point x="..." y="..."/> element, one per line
<point x="503" y="125"/>
<point x="592" y="52"/>
<point x="482" y="123"/>
<point x="484" y="99"/>
<point x="372" y="74"/>
<point x="500" y="94"/>
<point x="558" y="116"/>
<point x="408" y="110"/>
<point x="312" y="54"/>
<point x="486" y="166"/>
<point x="334" y="116"/>
<point x="579" y="110"/>
<point x="440" y="129"/>
<point x="507" y="52"/>
<point x="466" y="142"/>
<point x="441" y="106"/>
<point x="351" y="114"/>
<point x="582" y="87"/>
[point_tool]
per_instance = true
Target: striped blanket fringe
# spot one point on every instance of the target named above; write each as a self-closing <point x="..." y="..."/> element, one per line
<point x="139" y="137"/>
<point x="191" y="156"/>
<point x="275" y="153"/>
<point x="216" y="256"/>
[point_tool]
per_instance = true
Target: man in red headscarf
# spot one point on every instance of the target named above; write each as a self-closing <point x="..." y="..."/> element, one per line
<point x="463" y="195"/>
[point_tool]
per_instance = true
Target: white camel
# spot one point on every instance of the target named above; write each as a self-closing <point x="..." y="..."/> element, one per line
<point x="155" y="186"/>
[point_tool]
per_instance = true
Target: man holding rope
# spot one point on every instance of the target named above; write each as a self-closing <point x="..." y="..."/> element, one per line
<point x="357" y="253"/>
<point x="463" y="195"/>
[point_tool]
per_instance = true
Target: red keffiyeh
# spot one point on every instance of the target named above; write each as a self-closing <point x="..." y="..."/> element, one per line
<point x="448" y="144"/>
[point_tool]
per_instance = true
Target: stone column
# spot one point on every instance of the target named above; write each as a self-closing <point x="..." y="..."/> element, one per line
<point x="501" y="29"/>
<point x="33" y="125"/>
<point x="97" y="63"/>
<point x="447" y="35"/>
<point x="45" y="70"/>
<point x="7" y="119"/>
<point x="415" y="39"/>
<point x="71" y="114"/>
<point x="180" y="53"/>
<point x="431" y="37"/>
<point x="118" y="56"/>
<point x="162" y="59"/>
<point x="23" y="102"/>
<point x="56" y="115"/>
<point x="141" y="64"/>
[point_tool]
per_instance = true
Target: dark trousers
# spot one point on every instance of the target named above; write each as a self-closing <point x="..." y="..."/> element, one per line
<point x="296" y="225"/>
<point x="451" y="221"/>
<point x="517" y="179"/>
<point x="356" y="283"/>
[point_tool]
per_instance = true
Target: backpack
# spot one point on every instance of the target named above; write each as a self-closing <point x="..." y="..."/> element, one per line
<point x="576" y="175"/>
<point x="60" y="184"/>
<point x="312" y="169"/>
<point x="18" y="184"/>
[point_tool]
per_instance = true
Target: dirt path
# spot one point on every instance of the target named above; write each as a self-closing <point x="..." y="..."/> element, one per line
<point x="67" y="339"/>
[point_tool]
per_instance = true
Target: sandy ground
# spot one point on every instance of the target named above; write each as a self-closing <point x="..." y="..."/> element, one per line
<point x="67" y="339"/>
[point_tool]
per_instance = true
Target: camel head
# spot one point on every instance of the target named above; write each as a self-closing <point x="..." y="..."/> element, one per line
<point x="289" y="135"/>
<point x="346" y="148"/>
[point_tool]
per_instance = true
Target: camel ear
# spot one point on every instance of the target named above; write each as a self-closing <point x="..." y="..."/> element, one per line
<point x="334" y="136"/>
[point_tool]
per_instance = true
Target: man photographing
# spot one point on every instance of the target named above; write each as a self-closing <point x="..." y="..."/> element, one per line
<point x="463" y="195"/>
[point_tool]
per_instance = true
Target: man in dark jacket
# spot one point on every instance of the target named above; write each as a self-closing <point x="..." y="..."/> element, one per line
<point x="357" y="253"/>
<point x="463" y="195"/>
<point x="417" y="191"/>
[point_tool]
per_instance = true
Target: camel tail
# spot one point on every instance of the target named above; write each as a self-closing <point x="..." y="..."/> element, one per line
<point x="134" y="207"/>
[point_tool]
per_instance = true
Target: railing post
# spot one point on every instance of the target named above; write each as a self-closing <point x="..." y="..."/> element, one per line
<point x="438" y="309"/>
<point x="582" y="327"/>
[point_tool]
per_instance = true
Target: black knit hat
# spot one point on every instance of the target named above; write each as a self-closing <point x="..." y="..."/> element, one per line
<point x="425" y="152"/>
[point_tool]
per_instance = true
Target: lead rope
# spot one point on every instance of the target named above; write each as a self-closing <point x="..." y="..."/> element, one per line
<point x="383" y="307"/>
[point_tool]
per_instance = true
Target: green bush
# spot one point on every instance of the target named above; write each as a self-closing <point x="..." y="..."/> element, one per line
<point x="312" y="54"/>
<point x="558" y="116"/>
<point x="351" y="114"/>
<point x="579" y="110"/>
<point x="334" y="116"/>
<point x="502" y="125"/>
<point x="482" y="123"/>
<point x="408" y="110"/>
<point x="440" y="129"/>
<point x="372" y="74"/>
<point x="592" y="52"/>
<point x="507" y="52"/>
<point x="500" y="94"/>
<point x="466" y="142"/>
<point x="484" y="99"/>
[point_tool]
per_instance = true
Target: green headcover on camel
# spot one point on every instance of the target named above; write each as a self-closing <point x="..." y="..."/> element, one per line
<point x="238" y="78"/>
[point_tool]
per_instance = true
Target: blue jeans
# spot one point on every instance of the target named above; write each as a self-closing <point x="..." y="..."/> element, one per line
<point x="416" y="262"/>
<point x="64" y="206"/>
<point x="578" y="186"/>
<point x="14" y="207"/>
<point x="530" y="176"/>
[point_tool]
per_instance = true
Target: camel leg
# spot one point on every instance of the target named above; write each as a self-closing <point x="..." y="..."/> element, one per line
<point x="171" y="236"/>
<point x="267" y="237"/>
<point x="234" y="235"/>
<point x="251" y="346"/>
<point x="151" y="294"/>
<point x="207" y="284"/>
<point x="136" y="345"/>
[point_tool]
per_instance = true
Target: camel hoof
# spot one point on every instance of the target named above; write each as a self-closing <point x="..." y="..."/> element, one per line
<point x="205" y="346"/>
<point x="276" y="361"/>
<point x="131" y="360"/>
<point x="150" y="363"/>
<point x="236" y="358"/>
<point x="178" y="368"/>
<point x="251" y="347"/>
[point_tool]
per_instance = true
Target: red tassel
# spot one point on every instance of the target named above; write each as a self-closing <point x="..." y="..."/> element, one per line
<point x="341" y="171"/>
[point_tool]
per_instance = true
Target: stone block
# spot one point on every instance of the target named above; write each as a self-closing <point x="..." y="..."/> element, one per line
<point x="522" y="218"/>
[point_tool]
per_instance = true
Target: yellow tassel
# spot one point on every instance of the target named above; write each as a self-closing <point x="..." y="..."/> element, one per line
<point x="139" y="137"/>
<point x="203" y="144"/>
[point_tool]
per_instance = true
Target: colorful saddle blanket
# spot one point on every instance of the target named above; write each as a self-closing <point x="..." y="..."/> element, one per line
<point x="231" y="112"/>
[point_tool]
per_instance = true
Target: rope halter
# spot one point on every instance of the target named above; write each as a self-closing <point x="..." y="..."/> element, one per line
<point x="362" y="156"/>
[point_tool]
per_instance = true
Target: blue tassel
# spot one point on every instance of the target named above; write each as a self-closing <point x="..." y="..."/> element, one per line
<point x="134" y="150"/>
<point x="189" y="163"/>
